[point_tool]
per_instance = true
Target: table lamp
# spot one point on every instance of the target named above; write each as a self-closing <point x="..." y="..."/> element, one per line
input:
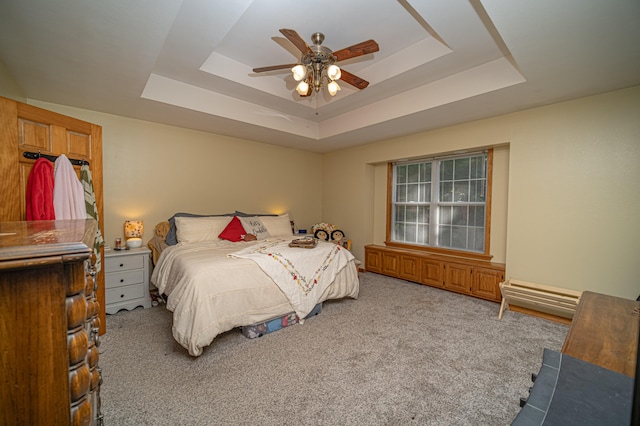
<point x="133" y="231"/>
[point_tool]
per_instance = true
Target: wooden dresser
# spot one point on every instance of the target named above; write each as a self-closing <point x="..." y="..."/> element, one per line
<point x="593" y="380"/>
<point x="49" y="324"/>
<point x="604" y="332"/>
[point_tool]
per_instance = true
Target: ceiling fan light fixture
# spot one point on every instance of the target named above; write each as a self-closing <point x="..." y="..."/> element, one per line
<point x="299" y="72"/>
<point x="302" y="88"/>
<point x="317" y="64"/>
<point x="333" y="72"/>
<point x="333" y="88"/>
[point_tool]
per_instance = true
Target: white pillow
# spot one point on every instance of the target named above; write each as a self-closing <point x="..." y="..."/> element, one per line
<point x="196" y="229"/>
<point x="253" y="225"/>
<point x="278" y="226"/>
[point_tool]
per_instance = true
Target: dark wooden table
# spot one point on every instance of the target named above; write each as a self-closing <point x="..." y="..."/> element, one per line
<point x="604" y="332"/>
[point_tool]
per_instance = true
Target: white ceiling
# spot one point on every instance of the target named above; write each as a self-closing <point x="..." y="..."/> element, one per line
<point x="441" y="62"/>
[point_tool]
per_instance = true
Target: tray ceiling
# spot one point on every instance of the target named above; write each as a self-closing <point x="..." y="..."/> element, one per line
<point x="441" y="62"/>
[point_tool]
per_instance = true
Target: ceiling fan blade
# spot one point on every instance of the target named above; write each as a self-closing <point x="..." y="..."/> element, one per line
<point x="353" y="80"/>
<point x="297" y="41"/>
<point x="274" y="67"/>
<point x="359" y="49"/>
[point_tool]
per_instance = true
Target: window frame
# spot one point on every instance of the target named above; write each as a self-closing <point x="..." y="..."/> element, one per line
<point x="486" y="255"/>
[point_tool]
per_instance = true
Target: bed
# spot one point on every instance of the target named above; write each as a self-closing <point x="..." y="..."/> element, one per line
<point x="214" y="281"/>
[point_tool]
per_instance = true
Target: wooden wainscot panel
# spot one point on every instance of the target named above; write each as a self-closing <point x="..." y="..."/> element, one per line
<point x="79" y="145"/>
<point x="486" y="283"/>
<point x="34" y="136"/>
<point x="472" y="277"/>
<point x="390" y="262"/>
<point x="409" y="268"/>
<point x="457" y="277"/>
<point x="432" y="272"/>
<point x="373" y="260"/>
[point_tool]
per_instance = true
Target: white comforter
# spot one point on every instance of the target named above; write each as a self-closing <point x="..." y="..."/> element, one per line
<point x="302" y="274"/>
<point x="209" y="292"/>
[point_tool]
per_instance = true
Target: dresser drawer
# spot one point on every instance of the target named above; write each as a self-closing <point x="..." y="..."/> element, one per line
<point x="123" y="263"/>
<point x="124" y="278"/>
<point x="122" y="294"/>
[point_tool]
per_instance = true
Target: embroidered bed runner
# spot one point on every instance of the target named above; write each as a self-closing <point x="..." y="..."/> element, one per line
<point x="302" y="275"/>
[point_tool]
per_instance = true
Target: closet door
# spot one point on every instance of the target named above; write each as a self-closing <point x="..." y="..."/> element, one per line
<point x="25" y="128"/>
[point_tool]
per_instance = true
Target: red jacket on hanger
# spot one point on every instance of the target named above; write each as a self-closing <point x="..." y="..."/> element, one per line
<point x="40" y="191"/>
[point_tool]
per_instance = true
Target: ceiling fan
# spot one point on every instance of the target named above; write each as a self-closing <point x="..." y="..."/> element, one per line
<point x="317" y="63"/>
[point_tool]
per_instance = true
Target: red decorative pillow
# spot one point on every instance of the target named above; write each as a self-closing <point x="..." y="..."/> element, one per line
<point x="234" y="231"/>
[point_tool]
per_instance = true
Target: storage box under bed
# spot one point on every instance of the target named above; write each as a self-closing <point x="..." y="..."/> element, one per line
<point x="261" y="328"/>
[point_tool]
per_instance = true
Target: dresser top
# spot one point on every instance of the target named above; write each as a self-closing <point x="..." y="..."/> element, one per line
<point x="604" y="332"/>
<point x="45" y="238"/>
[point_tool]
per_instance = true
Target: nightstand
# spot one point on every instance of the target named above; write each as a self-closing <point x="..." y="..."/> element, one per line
<point x="126" y="277"/>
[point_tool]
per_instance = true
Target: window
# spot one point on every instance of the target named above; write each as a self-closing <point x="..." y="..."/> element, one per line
<point x="441" y="203"/>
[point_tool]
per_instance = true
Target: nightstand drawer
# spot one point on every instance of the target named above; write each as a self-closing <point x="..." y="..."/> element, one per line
<point x="122" y="294"/>
<point x="126" y="279"/>
<point x="123" y="263"/>
<point x="119" y="279"/>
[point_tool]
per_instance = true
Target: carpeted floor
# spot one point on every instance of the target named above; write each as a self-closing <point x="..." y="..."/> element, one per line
<point x="401" y="354"/>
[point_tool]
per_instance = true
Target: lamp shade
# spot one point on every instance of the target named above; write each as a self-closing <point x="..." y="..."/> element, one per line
<point x="133" y="231"/>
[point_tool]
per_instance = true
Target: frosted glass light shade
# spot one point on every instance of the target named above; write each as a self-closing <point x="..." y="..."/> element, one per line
<point x="333" y="72"/>
<point x="302" y="88"/>
<point x="299" y="72"/>
<point x="333" y="88"/>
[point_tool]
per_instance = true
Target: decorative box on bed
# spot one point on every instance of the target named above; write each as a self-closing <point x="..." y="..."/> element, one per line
<point x="215" y="281"/>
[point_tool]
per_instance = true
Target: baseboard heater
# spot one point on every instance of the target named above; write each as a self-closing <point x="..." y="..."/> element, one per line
<point x="554" y="303"/>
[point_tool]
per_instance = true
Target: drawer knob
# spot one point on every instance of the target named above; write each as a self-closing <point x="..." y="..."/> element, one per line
<point x="95" y="332"/>
<point x="121" y="296"/>
<point x="122" y="280"/>
<point x="121" y="265"/>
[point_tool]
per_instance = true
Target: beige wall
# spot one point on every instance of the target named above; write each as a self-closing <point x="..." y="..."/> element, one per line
<point x="566" y="183"/>
<point x="8" y="87"/>
<point x="566" y="190"/>
<point x="152" y="171"/>
<point x="575" y="195"/>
